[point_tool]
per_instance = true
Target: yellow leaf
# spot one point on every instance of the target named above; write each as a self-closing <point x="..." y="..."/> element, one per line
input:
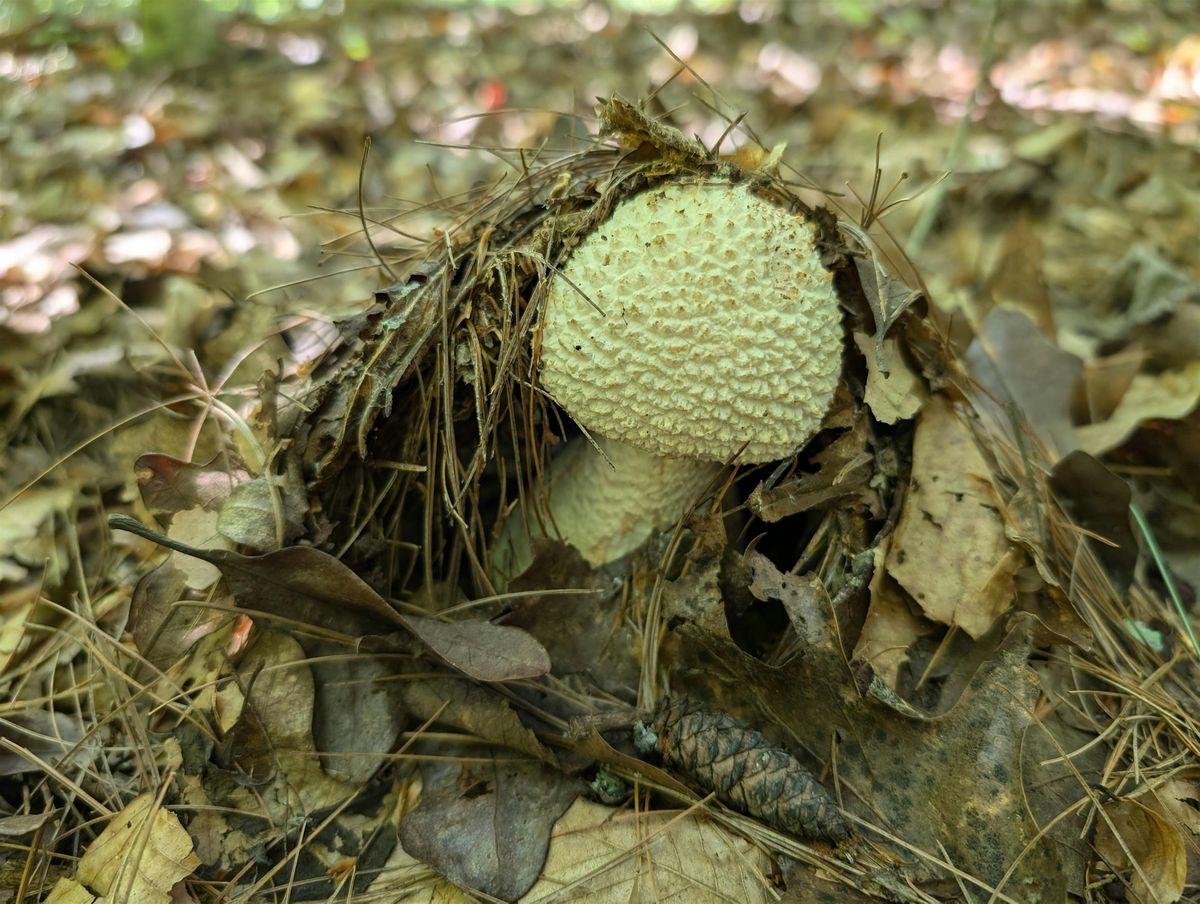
<point x="140" y="856"/>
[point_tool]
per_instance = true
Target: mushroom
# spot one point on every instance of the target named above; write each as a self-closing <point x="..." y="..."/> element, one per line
<point x="695" y="322"/>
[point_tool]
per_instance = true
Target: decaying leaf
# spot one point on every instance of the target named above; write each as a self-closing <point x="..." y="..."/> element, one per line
<point x="480" y="649"/>
<point x="486" y="825"/>
<point x="162" y="627"/>
<point x="264" y="512"/>
<point x="139" y="856"/>
<point x="583" y="633"/>
<point x="949" y="550"/>
<point x="956" y="779"/>
<point x="1017" y="280"/>
<point x="1098" y="501"/>
<point x="843" y="476"/>
<point x="169" y="485"/>
<point x="25" y="534"/>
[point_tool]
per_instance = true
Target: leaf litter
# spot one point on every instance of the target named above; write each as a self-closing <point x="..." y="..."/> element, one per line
<point x="940" y="611"/>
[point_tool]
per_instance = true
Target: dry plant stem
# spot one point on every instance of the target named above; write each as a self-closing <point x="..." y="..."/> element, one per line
<point x="605" y="500"/>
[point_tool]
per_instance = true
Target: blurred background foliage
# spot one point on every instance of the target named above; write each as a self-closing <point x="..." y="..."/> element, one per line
<point x="190" y="32"/>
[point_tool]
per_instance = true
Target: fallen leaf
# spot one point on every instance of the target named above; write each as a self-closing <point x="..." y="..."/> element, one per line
<point x="584" y="633"/>
<point x="12" y="632"/>
<point x="169" y="485"/>
<point x="140" y="855"/>
<point x="844" y="471"/>
<point x="894" y="391"/>
<point x="1156" y="863"/>
<point x="1171" y="395"/>
<point x="1098" y="500"/>
<point x="608" y="857"/>
<point x="891" y="625"/>
<point x="68" y="891"/>
<point x="44" y="736"/>
<point x="162" y="627"/>
<point x="957" y="776"/>
<point x="487" y="825"/>
<point x="1015" y="362"/>
<point x="482" y="650"/>
<point x="196" y="527"/>
<point x="264" y="511"/>
<point x="949" y="549"/>
<point x="301" y="584"/>
<point x="1017" y="280"/>
<point x="475" y="709"/>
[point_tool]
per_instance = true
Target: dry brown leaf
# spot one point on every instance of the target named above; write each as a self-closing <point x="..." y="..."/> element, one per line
<point x="843" y="478"/>
<point x="1179" y="799"/>
<point x="894" y="395"/>
<point x="890" y="627"/>
<point x="486" y="825"/>
<point x="139" y="856"/>
<point x="169" y="485"/>
<point x="1155" y="844"/>
<point x="476" y="709"/>
<point x="302" y="584"/>
<point x="949" y="550"/>
<point x="1172" y="395"/>
<point x="959" y="775"/>
<point x="604" y="857"/>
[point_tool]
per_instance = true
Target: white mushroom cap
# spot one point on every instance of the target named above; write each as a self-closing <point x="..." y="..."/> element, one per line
<point x="719" y="326"/>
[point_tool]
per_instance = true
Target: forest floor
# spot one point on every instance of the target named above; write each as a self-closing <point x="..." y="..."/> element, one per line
<point x="181" y="233"/>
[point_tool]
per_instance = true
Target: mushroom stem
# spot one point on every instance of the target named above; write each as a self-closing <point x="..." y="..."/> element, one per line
<point x="604" y="503"/>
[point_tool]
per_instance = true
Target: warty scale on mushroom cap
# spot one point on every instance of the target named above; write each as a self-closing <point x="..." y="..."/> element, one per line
<point x="720" y="326"/>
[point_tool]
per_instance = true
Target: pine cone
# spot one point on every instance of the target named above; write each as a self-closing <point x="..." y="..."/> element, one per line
<point x="718" y="753"/>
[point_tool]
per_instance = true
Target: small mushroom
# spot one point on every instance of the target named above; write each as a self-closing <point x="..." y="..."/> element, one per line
<point x="696" y="320"/>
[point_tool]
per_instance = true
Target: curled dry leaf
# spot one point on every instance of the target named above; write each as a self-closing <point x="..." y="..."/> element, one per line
<point x="1148" y="848"/>
<point x="1171" y="395"/>
<point x="844" y="471"/>
<point x="949" y="550"/>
